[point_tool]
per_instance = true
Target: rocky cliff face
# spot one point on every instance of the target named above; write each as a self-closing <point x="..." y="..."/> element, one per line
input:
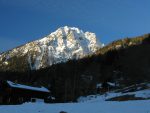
<point x="60" y="46"/>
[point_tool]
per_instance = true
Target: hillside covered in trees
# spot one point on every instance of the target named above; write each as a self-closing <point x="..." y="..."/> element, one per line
<point x="123" y="62"/>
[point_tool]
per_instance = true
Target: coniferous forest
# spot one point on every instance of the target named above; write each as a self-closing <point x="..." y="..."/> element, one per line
<point x="124" y="62"/>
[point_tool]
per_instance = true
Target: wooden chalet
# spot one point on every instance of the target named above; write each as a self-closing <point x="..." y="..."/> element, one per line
<point x="105" y="87"/>
<point x="12" y="93"/>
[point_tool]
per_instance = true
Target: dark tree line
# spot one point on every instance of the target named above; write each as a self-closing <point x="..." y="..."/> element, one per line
<point x="67" y="81"/>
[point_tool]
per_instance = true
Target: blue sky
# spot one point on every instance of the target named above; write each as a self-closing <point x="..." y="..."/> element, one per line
<point x="22" y="21"/>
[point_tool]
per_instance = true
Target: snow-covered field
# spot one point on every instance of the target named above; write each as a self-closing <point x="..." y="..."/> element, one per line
<point x="140" y="106"/>
<point x="88" y="104"/>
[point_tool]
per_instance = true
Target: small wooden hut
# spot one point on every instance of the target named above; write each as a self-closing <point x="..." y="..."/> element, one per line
<point x="13" y="93"/>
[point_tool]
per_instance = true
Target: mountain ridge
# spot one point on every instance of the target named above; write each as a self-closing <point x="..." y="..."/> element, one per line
<point x="63" y="44"/>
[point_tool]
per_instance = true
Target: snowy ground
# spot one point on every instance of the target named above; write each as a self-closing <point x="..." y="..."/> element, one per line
<point x="100" y="98"/>
<point x="88" y="104"/>
<point x="142" y="106"/>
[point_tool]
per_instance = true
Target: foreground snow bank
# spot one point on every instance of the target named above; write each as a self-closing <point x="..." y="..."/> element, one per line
<point x="140" y="106"/>
<point x="145" y="94"/>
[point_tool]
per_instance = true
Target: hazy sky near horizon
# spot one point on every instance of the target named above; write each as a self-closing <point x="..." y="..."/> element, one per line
<point x="22" y="21"/>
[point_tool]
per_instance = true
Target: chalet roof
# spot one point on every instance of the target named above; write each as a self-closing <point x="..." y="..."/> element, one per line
<point x="111" y="84"/>
<point x="14" y="85"/>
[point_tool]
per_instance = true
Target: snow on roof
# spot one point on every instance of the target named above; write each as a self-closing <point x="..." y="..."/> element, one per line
<point x="111" y="84"/>
<point x="12" y="84"/>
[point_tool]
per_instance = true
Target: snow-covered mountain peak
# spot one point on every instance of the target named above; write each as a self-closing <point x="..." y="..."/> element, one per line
<point x="67" y="29"/>
<point x="61" y="45"/>
<point x="63" y="32"/>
